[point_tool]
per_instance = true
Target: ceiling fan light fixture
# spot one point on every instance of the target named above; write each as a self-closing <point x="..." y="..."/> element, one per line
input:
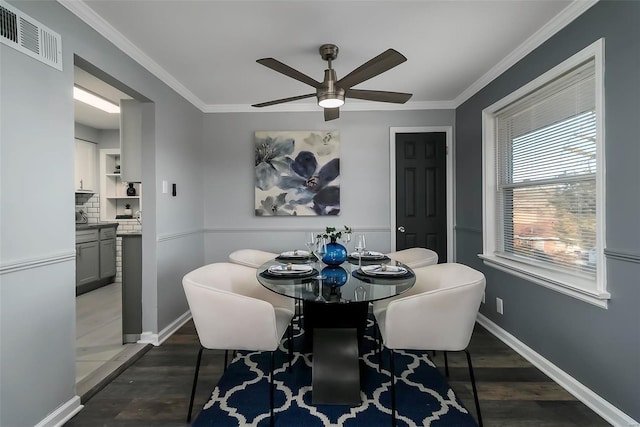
<point x="331" y="100"/>
<point x="331" y="92"/>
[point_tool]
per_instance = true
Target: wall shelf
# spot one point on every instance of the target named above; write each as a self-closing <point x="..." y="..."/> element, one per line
<point x="113" y="190"/>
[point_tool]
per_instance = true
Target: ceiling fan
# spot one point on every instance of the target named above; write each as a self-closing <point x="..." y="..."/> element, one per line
<point x="332" y="92"/>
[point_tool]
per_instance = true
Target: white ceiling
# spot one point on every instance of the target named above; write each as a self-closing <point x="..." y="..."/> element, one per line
<point x="206" y="50"/>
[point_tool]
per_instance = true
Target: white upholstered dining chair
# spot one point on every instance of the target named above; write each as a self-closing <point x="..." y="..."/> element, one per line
<point x="232" y="311"/>
<point x="444" y="305"/>
<point x="415" y="257"/>
<point x="253" y="258"/>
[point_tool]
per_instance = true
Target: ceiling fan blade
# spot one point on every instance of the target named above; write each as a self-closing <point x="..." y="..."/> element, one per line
<point x="280" y="101"/>
<point x="378" y="95"/>
<point x="331" y="114"/>
<point x="378" y="65"/>
<point x="278" y="66"/>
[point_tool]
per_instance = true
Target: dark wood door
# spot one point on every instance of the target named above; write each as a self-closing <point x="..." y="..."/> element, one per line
<point x="421" y="192"/>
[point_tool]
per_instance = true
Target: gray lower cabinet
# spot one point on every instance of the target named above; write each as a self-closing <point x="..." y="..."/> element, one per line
<point x="87" y="263"/>
<point x="95" y="258"/>
<point x="107" y="258"/>
<point x="107" y="252"/>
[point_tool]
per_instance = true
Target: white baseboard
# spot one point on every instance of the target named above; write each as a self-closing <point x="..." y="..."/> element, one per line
<point x="63" y="414"/>
<point x="157" y="339"/>
<point x="584" y="394"/>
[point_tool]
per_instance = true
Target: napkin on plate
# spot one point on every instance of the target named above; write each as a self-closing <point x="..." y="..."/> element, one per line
<point x="284" y="269"/>
<point x="383" y="270"/>
<point x="298" y="253"/>
<point x="368" y="254"/>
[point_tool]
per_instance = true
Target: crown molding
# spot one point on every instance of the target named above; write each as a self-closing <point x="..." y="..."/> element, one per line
<point x="564" y="18"/>
<point x="95" y="21"/>
<point x="348" y="106"/>
<point x="86" y="14"/>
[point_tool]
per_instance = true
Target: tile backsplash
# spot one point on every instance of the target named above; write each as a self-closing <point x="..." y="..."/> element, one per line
<point x="90" y="204"/>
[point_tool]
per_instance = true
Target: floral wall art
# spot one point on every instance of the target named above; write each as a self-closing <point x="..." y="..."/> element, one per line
<point x="297" y="173"/>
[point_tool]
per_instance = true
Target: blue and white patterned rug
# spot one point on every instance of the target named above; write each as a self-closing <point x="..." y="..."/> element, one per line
<point x="241" y="397"/>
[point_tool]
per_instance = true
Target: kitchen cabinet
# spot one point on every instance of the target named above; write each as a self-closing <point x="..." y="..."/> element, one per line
<point x="131" y="140"/>
<point x="87" y="263"/>
<point x="95" y="256"/>
<point x="107" y="252"/>
<point x="85" y="166"/>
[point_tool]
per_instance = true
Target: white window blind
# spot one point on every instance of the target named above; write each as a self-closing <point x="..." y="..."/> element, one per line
<point x="546" y="174"/>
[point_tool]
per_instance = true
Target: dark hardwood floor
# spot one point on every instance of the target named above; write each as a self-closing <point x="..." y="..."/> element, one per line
<point x="154" y="391"/>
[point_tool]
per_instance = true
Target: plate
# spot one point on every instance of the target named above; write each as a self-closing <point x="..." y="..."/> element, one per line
<point x="383" y="270"/>
<point x="297" y="254"/>
<point x="368" y="255"/>
<point x="290" y="269"/>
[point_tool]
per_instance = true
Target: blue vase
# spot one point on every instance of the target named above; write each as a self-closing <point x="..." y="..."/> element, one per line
<point x="336" y="254"/>
<point x="334" y="276"/>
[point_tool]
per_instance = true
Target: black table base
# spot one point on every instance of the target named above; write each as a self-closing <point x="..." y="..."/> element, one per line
<point x="323" y="315"/>
<point x="336" y="368"/>
<point x="332" y="333"/>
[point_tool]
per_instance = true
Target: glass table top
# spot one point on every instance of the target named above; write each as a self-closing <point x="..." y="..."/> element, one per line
<point x="336" y="284"/>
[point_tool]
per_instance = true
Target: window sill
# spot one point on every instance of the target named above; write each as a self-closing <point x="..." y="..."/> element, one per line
<point x="559" y="282"/>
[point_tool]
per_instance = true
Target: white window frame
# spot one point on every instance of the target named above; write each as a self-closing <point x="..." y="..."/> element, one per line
<point x="564" y="282"/>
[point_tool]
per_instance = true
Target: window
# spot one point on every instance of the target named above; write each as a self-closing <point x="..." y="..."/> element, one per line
<point x="542" y="175"/>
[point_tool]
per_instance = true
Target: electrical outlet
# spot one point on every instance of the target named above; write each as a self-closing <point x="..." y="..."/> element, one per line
<point x="499" y="306"/>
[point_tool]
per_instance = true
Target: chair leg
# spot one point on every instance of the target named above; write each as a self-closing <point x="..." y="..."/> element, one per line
<point x="446" y="364"/>
<point x="393" y="388"/>
<point x="195" y="382"/>
<point x="473" y="385"/>
<point x="290" y="344"/>
<point x="226" y="356"/>
<point x="271" y="422"/>
<point x="376" y="343"/>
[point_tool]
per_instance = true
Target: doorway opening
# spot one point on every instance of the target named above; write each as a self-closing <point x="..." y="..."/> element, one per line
<point x="102" y="202"/>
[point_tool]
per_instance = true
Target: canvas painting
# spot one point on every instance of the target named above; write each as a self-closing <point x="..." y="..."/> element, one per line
<point x="297" y="173"/>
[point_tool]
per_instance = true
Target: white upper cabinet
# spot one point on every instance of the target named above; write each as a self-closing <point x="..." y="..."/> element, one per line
<point x="85" y="167"/>
<point x="131" y="140"/>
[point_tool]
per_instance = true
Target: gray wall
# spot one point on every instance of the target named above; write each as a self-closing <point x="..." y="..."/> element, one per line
<point x="364" y="167"/>
<point x="109" y="138"/>
<point x="37" y="251"/>
<point x="598" y="347"/>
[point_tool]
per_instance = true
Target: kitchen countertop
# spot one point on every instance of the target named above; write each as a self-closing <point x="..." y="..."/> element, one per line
<point x="132" y="234"/>
<point x="96" y="225"/>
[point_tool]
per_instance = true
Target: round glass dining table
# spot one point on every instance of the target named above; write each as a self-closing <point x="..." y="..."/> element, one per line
<point x="335" y="309"/>
<point x="344" y="284"/>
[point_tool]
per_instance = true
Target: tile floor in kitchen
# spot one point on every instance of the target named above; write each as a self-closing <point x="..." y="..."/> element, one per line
<point x="100" y="354"/>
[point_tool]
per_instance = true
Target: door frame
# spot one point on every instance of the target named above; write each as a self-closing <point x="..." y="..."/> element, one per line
<point x="448" y="130"/>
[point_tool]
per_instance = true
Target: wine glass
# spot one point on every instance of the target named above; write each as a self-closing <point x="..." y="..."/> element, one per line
<point x="346" y="239"/>
<point x="320" y="251"/>
<point x="321" y="248"/>
<point x="361" y="245"/>
<point x="320" y="297"/>
<point x="311" y="242"/>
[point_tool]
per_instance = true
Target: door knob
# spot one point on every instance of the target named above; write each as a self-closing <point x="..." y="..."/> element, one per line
<point x="401" y="229"/>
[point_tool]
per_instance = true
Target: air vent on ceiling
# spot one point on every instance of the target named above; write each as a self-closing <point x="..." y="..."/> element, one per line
<point x="28" y="36"/>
